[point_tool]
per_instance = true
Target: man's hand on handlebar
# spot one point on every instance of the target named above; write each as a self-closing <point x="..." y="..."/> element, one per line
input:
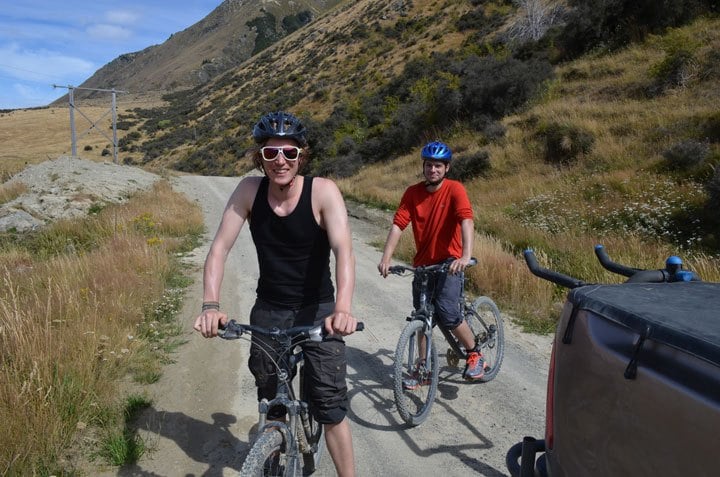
<point x="459" y="265"/>
<point x="384" y="268"/>
<point x="340" y="323"/>
<point x="207" y="322"/>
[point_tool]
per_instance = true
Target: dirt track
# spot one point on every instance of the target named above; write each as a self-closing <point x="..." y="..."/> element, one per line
<point x="205" y="404"/>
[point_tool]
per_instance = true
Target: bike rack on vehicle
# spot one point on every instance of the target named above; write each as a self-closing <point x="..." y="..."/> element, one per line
<point x="673" y="271"/>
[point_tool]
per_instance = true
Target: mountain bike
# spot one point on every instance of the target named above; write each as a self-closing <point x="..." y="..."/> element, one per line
<point x="417" y="358"/>
<point x="292" y="447"/>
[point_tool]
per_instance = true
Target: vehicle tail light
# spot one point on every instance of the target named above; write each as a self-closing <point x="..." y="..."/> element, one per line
<point x="550" y="403"/>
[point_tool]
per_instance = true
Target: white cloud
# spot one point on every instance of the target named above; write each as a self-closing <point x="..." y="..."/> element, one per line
<point x="121" y="17"/>
<point x="41" y="65"/>
<point x="109" y="32"/>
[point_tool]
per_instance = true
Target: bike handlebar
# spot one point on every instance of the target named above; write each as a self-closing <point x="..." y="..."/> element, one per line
<point x="556" y="277"/>
<point x="438" y="267"/>
<point x="234" y="330"/>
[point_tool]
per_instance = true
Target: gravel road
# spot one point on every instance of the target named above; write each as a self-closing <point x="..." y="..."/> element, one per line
<point x="205" y="403"/>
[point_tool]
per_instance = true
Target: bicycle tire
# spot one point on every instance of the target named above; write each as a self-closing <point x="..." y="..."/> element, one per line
<point x="414" y="405"/>
<point x="482" y="315"/>
<point x="311" y="445"/>
<point x="267" y="457"/>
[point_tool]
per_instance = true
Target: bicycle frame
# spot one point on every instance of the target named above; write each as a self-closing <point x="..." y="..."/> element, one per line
<point x="284" y="396"/>
<point x="297" y="410"/>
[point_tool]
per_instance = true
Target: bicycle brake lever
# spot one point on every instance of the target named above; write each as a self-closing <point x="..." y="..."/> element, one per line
<point x="230" y="330"/>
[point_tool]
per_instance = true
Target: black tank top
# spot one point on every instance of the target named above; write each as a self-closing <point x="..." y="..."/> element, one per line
<point x="293" y="252"/>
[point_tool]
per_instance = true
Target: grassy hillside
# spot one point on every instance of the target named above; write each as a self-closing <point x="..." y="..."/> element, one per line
<point x="639" y="189"/>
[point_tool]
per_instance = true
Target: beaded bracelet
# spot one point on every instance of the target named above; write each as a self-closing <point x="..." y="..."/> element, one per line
<point x="210" y="305"/>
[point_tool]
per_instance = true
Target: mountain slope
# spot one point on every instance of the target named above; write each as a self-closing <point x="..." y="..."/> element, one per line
<point x="229" y="35"/>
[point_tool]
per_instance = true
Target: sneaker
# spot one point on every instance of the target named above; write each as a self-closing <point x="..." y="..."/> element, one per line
<point x="475" y="366"/>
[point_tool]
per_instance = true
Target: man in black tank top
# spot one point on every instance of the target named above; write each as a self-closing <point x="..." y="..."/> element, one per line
<point x="295" y="222"/>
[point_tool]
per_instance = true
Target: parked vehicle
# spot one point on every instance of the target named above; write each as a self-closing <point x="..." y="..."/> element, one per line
<point x="634" y="379"/>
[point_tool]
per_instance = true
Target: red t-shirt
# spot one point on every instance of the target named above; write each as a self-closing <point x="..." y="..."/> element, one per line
<point x="436" y="218"/>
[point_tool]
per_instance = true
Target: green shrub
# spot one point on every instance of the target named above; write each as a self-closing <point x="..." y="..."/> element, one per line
<point x="468" y="166"/>
<point x="293" y="22"/>
<point x="564" y="143"/>
<point x="675" y="70"/>
<point x="686" y="156"/>
<point x="612" y="24"/>
<point x="711" y="128"/>
<point x="713" y="190"/>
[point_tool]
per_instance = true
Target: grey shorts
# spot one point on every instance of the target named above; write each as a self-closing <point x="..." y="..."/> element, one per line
<point x="325" y="365"/>
<point x="444" y="292"/>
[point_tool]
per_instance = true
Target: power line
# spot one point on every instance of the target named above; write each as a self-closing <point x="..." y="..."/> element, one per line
<point x="26" y="71"/>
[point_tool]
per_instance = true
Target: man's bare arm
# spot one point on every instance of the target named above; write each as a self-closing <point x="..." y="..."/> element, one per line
<point x="467" y="230"/>
<point x="236" y="213"/>
<point x="390" y="244"/>
<point x="335" y="220"/>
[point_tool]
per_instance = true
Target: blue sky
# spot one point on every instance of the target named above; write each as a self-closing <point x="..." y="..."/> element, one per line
<point x="64" y="42"/>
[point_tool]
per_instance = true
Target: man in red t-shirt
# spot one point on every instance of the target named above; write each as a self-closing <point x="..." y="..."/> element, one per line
<point x="442" y="223"/>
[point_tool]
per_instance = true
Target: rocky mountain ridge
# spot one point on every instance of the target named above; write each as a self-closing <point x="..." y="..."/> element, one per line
<point x="227" y="36"/>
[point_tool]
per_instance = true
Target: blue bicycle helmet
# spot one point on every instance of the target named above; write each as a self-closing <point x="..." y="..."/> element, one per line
<point x="280" y="125"/>
<point x="436" y="151"/>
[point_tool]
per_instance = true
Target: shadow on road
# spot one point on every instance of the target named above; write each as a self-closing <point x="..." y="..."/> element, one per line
<point x="209" y="443"/>
<point x="372" y="406"/>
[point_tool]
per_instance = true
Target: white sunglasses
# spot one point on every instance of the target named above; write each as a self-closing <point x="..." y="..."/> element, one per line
<point x="290" y="153"/>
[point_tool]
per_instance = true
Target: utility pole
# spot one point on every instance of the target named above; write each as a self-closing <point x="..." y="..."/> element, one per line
<point x="112" y="111"/>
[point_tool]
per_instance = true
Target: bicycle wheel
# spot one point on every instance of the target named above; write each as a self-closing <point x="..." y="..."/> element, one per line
<point x="267" y="457"/>
<point x="414" y="402"/>
<point x="310" y="438"/>
<point x="487" y="326"/>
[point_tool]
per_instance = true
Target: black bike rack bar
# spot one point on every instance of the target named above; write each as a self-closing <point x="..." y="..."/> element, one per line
<point x="556" y="277"/>
<point x="614" y="267"/>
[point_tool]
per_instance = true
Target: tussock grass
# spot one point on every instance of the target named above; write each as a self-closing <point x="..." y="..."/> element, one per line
<point x="9" y="192"/>
<point x="74" y="320"/>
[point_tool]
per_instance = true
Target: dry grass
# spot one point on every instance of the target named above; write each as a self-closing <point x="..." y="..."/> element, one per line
<point x="10" y="191"/>
<point x="32" y="136"/>
<point x="70" y="325"/>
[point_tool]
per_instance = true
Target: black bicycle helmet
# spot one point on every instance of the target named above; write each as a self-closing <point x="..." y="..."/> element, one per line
<point x="436" y="151"/>
<point x="281" y="125"/>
